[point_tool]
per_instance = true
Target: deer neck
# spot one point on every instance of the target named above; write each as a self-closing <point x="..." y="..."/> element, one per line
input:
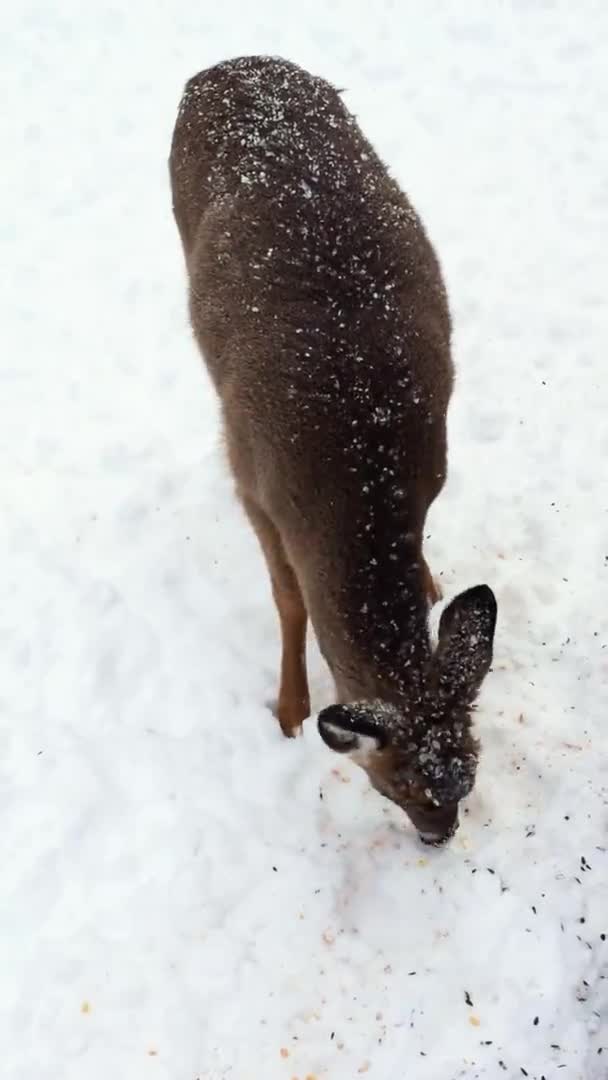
<point x="369" y="609"/>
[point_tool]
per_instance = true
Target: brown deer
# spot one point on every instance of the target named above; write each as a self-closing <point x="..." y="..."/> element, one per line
<point x="318" y="304"/>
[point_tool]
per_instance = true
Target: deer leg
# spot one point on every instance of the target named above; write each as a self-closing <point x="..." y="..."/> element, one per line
<point x="431" y="588"/>
<point x="293" y="705"/>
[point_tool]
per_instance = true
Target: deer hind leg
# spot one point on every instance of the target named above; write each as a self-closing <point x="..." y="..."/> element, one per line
<point x="293" y="705"/>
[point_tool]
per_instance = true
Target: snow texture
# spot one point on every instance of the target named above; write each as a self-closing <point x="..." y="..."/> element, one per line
<point x="186" y="895"/>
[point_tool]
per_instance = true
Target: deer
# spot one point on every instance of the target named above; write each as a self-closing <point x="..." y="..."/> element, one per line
<point x="318" y="304"/>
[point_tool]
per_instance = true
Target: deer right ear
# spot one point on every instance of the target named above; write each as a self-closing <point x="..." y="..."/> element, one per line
<point x="352" y="729"/>
<point x="466" y="637"/>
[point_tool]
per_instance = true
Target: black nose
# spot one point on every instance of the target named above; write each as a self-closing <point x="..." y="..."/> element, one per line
<point x="435" y="825"/>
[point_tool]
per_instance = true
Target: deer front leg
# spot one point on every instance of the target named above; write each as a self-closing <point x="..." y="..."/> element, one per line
<point x="293" y="704"/>
<point x="431" y="588"/>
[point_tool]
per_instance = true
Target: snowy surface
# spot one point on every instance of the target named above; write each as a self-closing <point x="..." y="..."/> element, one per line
<point x="185" y="895"/>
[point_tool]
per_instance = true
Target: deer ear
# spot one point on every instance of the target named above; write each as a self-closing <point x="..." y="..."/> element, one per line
<point x="466" y="639"/>
<point x="352" y="729"/>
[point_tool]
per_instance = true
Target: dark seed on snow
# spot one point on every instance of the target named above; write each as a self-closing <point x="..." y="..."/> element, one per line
<point x="536" y="1021"/>
<point x="523" y="1071"/>
<point x="411" y="972"/>
<point x="602" y="937"/>
<point x="467" y="998"/>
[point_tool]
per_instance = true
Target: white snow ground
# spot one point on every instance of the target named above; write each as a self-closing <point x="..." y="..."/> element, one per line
<point x="177" y="901"/>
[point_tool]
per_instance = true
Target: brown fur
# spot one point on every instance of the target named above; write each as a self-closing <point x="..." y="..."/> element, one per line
<point x="318" y="304"/>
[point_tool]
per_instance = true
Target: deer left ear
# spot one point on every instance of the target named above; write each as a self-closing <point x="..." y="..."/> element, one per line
<point x="352" y="729"/>
<point x="466" y="640"/>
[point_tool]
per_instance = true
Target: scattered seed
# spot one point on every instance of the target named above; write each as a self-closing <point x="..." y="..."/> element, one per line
<point x="467" y="998"/>
<point x="535" y="1021"/>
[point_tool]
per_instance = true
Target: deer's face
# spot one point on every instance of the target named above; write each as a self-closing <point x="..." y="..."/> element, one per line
<point x="428" y="790"/>
<point x="422" y="754"/>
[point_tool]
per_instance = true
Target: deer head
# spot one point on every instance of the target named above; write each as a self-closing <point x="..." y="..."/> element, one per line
<point x="420" y="752"/>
